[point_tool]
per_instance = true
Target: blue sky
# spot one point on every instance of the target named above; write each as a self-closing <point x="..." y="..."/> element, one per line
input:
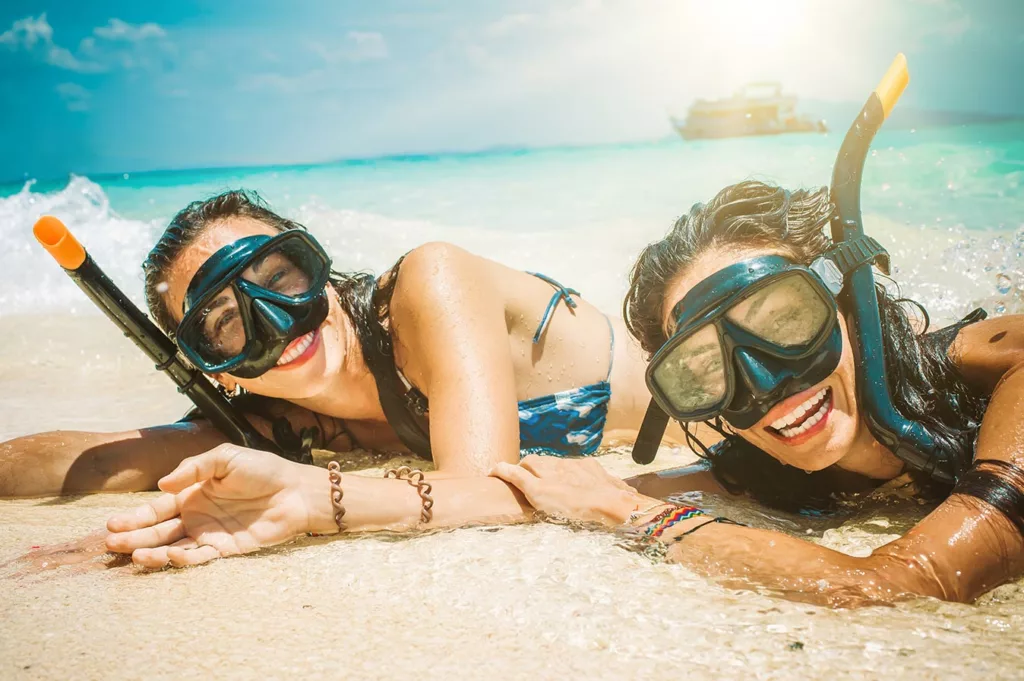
<point x="100" y="87"/>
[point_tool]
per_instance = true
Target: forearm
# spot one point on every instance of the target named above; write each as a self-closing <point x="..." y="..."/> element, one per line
<point x="378" y="504"/>
<point x="75" y="462"/>
<point x="742" y="557"/>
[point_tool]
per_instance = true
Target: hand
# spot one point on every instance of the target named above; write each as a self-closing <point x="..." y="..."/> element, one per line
<point x="227" y="501"/>
<point x="577" y="489"/>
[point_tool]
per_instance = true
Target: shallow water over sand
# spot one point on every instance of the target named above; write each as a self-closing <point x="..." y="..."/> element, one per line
<point x="529" y="602"/>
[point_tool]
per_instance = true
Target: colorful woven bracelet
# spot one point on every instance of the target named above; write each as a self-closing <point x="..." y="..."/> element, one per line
<point x="663" y="521"/>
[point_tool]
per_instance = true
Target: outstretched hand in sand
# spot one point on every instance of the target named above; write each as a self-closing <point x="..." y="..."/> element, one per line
<point x="224" y="502"/>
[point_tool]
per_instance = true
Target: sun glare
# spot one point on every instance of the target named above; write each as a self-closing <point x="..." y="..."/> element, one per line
<point x="742" y="40"/>
<point x="751" y="24"/>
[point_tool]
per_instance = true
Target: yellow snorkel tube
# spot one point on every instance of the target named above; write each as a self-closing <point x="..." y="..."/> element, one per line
<point x="907" y="439"/>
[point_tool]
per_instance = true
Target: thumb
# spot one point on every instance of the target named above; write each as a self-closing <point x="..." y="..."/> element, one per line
<point x="208" y="465"/>
<point x="517" y="476"/>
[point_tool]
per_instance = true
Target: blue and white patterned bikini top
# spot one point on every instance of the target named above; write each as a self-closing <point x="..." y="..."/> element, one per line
<point x="568" y="423"/>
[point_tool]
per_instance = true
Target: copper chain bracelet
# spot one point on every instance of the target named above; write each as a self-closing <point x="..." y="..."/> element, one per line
<point x="415" y="478"/>
<point x="334" y="475"/>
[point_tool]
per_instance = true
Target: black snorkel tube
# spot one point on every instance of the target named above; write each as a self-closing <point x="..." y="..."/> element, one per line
<point x="134" y="324"/>
<point x="907" y="439"/>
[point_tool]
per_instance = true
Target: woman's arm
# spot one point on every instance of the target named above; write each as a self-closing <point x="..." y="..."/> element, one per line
<point x="451" y="339"/>
<point x="76" y="462"/>
<point x="961" y="550"/>
<point x="232" y="500"/>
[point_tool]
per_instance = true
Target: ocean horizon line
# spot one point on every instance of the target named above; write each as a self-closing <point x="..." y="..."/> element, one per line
<point x="399" y="157"/>
<point x="910" y="118"/>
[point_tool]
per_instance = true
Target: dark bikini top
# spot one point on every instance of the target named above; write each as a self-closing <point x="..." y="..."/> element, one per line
<point x="405" y="407"/>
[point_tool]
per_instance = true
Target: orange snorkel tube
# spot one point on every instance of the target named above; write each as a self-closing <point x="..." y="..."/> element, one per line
<point x="134" y="324"/>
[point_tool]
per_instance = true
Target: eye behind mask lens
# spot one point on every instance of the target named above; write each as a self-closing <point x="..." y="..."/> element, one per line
<point x="787" y="312"/>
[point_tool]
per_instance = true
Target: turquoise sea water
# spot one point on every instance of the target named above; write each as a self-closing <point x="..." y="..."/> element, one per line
<point x="948" y="202"/>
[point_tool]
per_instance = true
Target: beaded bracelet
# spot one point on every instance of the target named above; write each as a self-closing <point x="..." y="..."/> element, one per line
<point x="666" y="519"/>
<point x="415" y="478"/>
<point x="725" y="521"/>
<point x="638" y="514"/>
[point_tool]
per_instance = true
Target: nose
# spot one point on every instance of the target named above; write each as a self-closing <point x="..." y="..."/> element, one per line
<point x="763" y="375"/>
<point x="274" y="319"/>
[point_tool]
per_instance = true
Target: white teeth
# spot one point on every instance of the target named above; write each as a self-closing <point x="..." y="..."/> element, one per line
<point x="299" y="348"/>
<point x="806" y="425"/>
<point x="796" y="414"/>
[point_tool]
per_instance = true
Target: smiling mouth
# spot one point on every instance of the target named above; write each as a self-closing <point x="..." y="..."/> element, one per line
<point x="298" y="349"/>
<point x="808" y="417"/>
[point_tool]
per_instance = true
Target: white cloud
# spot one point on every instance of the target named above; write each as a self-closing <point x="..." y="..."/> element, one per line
<point x="35" y="36"/>
<point x="122" y="30"/>
<point x="103" y="51"/>
<point x="27" y="32"/>
<point x="63" y="59"/>
<point x="75" y="97"/>
<point x="359" y="46"/>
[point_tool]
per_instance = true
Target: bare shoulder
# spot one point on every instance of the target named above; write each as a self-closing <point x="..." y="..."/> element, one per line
<point x="986" y="350"/>
<point x="433" y="261"/>
<point x="437" y="273"/>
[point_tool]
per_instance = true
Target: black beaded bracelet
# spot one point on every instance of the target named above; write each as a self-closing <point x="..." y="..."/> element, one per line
<point x="679" y="537"/>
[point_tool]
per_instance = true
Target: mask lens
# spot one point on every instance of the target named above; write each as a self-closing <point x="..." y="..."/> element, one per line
<point x="219" y="329"/>
<point x="291" y="269"/>
<point x="692" y="376"/>
<point x="786" y="312"/>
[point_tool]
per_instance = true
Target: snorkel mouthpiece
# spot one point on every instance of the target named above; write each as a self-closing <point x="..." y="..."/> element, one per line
<point x="907" y="439"/>
<point x="59" y="242"/>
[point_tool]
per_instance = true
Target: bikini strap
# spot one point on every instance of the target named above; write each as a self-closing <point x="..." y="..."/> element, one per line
<point x="561" y="293"/>
<point x="611" y="355"/>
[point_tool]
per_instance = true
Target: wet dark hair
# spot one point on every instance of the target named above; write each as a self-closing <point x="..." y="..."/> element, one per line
<point x="926" y="384"/>
<point x="361" y="299"/>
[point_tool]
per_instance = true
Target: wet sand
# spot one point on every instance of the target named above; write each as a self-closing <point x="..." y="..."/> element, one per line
<point x="523" y="602"/>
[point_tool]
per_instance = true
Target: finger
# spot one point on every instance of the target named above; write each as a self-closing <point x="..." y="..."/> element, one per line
<point x="211" y="464"/>
<point x="180" y="557"/>
<point x="153" y="559"/>
<point x="160" y="509"/>
<point x="534" y="463"/>
<point x="160" y="534"/>
<point x="518" y="477"/>
<point x="186" y="543"/>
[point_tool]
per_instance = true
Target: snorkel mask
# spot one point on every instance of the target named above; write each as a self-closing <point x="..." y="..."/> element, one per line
<point x="753" y="334"/>
<point x="747" y="337"/>
<point x="251" y="299"/>
<point x="757" y="332"/>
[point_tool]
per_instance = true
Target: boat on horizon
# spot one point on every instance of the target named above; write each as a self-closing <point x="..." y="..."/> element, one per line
<point x="756" y="109"/>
